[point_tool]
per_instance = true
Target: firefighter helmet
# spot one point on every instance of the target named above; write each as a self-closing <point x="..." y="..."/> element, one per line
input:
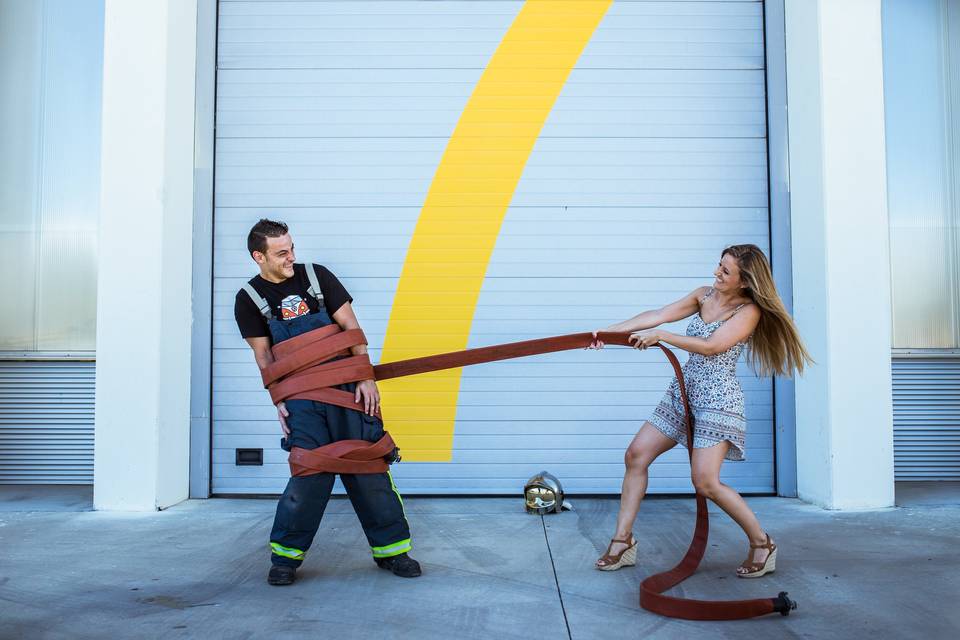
<point x="544" y="494"/>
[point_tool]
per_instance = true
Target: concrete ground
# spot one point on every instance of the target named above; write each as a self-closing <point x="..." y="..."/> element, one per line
<point x="490" y="571"/>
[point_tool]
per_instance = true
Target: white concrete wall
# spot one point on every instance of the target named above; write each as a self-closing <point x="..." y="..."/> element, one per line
<point x="144" y="286"/>
<point x="841" y="252"/>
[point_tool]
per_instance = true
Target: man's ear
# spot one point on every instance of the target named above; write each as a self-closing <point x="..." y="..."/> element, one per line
<point x="258" y="257"/>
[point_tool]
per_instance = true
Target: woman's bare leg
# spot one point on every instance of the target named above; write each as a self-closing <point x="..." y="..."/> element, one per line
<point x="647" y="445"/>
<point x="705" y="470"/>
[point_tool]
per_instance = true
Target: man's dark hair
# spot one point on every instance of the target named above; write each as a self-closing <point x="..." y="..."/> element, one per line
<point x="257" y="238"/>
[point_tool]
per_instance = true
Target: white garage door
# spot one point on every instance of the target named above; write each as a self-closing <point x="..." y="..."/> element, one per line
<point x="335" y="116"/>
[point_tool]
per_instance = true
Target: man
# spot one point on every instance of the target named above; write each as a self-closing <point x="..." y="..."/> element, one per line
<point x="284" y="301"/>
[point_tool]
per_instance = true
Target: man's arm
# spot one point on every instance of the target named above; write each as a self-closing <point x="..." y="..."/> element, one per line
<point x="347" y="319"/>
<point x="366" y="389"/>
<point x="264" y="357"/>
<point x="261" y="351"/>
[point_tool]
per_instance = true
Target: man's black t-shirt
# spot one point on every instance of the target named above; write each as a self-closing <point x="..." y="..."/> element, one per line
<point x="288" y="299"/>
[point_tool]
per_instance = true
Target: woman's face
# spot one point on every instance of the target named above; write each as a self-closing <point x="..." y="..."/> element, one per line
<point x="727" y="275"/>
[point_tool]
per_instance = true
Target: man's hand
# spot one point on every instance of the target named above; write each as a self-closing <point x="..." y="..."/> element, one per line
<point x="283" y="414"/>
<point x="367" y="389"/>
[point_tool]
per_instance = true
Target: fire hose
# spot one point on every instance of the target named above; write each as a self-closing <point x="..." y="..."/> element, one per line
<point x="309" y="366"/>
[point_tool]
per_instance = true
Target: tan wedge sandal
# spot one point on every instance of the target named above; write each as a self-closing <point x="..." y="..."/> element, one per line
<point x="626" y="558"/>
<point x="758" y="569"/>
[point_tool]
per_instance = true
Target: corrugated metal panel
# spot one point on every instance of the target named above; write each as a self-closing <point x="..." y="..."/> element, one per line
<point x="926" y="418"/>
<point x="333" y="116"/>
<point x="46" y="422"/>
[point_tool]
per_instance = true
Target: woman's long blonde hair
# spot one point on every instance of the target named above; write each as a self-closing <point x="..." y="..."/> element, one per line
<point x="775" y="347"/>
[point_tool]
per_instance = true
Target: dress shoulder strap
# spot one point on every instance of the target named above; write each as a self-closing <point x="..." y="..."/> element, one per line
<point x="739" y="306"/>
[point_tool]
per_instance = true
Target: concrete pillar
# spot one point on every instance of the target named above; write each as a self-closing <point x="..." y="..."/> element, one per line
<point x="841" y="256"/>
<point x="142" y="440"/>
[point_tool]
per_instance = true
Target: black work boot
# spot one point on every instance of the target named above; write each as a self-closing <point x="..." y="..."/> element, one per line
<point x="281" y="575"/>
<point x="401" y="565"/>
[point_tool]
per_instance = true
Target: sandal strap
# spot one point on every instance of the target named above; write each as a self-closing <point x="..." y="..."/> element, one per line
<point x="753" y="566"/>
<point x="609" y="558"/>
<point x="768" y="545"/>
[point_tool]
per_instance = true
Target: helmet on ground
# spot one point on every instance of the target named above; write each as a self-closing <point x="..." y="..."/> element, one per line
<point x="544" y="494"/>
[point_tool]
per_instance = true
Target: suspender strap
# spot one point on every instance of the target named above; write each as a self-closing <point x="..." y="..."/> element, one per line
<point x="314" y="289"/>
<point x="258" y="300"/>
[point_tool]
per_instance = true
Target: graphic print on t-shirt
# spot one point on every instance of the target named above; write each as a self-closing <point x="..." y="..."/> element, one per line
<point x="293" y="307"/>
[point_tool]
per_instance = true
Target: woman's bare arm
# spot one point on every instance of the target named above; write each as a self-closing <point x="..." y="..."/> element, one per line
<point x="737" y="329"/>
<point x="682" y="308"/>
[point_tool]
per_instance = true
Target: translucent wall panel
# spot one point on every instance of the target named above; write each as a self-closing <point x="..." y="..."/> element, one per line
<point x="50" y="71"/>
<point x="20" y="92"/>
<point x="920" y="82"/>
<point x="952" y="72"/>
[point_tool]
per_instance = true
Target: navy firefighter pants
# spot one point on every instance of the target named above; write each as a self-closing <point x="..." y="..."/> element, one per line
<point x="374" y="496"/>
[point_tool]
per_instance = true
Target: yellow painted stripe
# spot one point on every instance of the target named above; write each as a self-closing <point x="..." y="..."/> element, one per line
<point x="458" y="226"/>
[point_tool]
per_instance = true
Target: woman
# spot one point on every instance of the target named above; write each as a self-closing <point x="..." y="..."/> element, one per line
<point x="741" y="308"/>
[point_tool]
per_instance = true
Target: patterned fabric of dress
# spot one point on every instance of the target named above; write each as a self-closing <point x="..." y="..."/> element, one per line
<point x="715" y="397"/>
